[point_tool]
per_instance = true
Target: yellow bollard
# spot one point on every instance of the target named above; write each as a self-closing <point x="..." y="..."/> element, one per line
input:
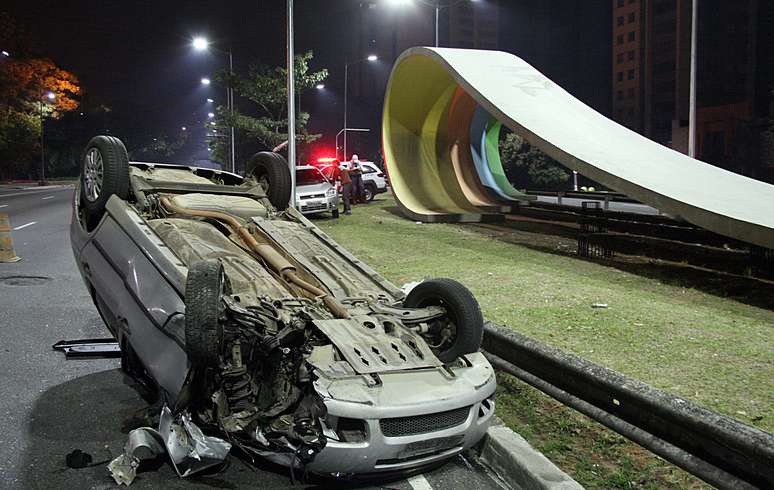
<point x="7" y="253"/>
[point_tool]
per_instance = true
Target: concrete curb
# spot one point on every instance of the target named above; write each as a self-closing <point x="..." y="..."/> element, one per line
<point x="519" y="465"/>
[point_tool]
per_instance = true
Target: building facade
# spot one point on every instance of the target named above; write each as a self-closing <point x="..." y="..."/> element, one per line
<point x="651" y="56"/>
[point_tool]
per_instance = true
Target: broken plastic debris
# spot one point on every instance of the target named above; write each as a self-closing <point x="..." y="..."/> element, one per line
<point x="599" y="305"/>
<point x="123" y="469"/>
<point x="188" y="448"/>
<point x="143" y="443"/>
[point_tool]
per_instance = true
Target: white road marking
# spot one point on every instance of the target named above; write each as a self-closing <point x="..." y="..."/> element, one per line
<point x="3" y="205"/>
<point x="39" y="191"/>
<point x="47" y="197"/>
<point x="25" y="226"/>
<point x="419" y="482"/>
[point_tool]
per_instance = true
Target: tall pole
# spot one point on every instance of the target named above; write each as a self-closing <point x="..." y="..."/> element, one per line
<point x="42" y="153"/>
<point x="231" y="107"/>
<point x="346" y="81"/>
<point x="437" y="16"/>
<point x="291" y="107"/>
<point x="692" y="103"/>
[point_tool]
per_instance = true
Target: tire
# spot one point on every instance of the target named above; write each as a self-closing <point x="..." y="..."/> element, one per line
<point x="271" y="169"/>
<point x="463" y="313"/>
<point x="104" y="172"/>
<point x="370" y="193"/>
<point x="204" y="286"/>
<point x="335" y="214"/>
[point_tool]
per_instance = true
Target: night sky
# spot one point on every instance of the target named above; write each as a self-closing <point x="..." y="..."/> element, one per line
<point x="136" y="56"/>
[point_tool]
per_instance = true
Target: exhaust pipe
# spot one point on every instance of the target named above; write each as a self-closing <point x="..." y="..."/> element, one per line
<point x="275" y="260"/>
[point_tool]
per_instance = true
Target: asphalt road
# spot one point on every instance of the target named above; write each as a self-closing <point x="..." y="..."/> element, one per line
<point x="52" y="406"/>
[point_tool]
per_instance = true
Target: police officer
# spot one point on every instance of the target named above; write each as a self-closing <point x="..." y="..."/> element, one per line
<point x="356" y="174"/>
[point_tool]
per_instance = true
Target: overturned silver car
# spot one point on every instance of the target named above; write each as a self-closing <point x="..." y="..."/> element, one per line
<point x="254" y="324"/>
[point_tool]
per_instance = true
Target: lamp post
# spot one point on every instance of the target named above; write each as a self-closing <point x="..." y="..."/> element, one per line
<point x="200" y="43"/>
<point x="291" y="86"/>
<point x="692" y="94"/>
<point x="437" y="5"/>
<point x="370" y="58"/>
<point x="50" y="96"/>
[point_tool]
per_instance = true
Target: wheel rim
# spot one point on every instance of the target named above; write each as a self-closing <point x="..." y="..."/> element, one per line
<point x="92" y="174"/>
<point x="369" y="194"/>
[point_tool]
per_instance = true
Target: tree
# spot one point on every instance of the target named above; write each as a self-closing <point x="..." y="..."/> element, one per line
<point x="265" y="127"/>
<point x="24" y="104"/>
<point x="528" y="167"/>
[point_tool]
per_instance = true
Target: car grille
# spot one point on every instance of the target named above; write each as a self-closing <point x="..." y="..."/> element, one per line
<point x="312" y="196"/>
<point x="421" y="424"/>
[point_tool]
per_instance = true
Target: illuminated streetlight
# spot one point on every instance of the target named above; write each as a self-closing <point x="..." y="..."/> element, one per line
<point x="320" y="86"/>
<point x="210" y="115"/>
<point x="200" y="43"/>
<point x="436" y="4"/>
<point x="371" y="58"/>
<point x="212" y="123"/>
<point x="184" y="128"/>
<point x="5" y="53"/>
<point x="51" y="96"/>
<point x="210" y="101"/>
<point x="205" y="81"/>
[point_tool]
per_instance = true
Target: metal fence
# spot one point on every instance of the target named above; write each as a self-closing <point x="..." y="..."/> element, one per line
<point x="718" y="449"/>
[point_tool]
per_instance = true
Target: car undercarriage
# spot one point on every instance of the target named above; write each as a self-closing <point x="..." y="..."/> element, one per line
<point x="254" y="325"/>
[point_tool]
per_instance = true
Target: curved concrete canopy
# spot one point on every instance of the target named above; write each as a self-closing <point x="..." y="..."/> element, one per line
<point x="419" y="91"/>
<point x="460" y="119"/>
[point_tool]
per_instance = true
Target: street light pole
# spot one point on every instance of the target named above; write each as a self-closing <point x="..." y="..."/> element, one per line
<point x="692" y="96"/>
<point x="291" y="105"/>
<point x="42" y="152"/>
<point x="372" y="57"/>
<point x="346" y="80"/>
<point x="51" y="96"/>
<point x="437" y="17"/>
<point x="231" y="107"/>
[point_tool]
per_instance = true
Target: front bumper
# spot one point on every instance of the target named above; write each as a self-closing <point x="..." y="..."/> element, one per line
<point x="413" y="419"/>
<point x="317" y="205"/>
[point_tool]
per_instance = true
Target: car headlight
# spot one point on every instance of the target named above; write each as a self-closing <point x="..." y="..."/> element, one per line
<point x="330" y="192"/>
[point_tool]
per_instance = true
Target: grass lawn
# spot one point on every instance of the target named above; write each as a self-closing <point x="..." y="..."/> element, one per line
<point x="659" y="328"/>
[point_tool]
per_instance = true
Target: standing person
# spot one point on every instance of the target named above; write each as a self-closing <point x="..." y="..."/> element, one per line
<point x="356" y="174"/>
<point x="346" y="187"/>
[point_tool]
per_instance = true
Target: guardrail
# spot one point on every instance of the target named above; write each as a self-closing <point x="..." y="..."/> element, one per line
<point x="720" y="450"/>
<point x="607" y="197"/>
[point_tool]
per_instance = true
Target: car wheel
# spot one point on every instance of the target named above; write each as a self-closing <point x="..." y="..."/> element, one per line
<point x="271" y="170"/>
<point x="460" y="331"/>
<point x="205" y="285"/>
<point x="370" y="193"/>
<point x="335" y="213"/>
<point x="104" y="172"/>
